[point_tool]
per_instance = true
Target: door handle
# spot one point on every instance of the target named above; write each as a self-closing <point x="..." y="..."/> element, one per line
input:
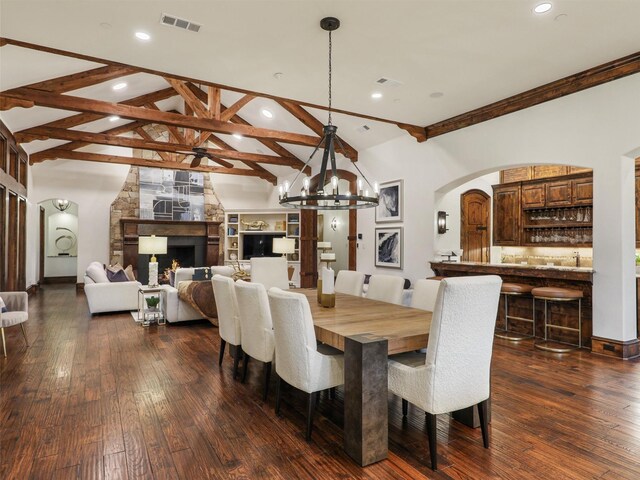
<point x="483" y="228"/>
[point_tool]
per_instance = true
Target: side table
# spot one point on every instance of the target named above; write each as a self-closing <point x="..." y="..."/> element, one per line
<point x="151" y="314"/>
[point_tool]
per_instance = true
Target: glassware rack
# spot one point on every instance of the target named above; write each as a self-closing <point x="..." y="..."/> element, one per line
<point x="558" y="226"/>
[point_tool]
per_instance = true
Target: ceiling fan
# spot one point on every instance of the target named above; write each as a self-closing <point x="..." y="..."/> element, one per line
<point x="198" y="154"/>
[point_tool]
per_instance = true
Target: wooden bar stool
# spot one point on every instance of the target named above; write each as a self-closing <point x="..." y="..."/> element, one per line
<point x="556" y="294"/>
<point x="515" y="289"/>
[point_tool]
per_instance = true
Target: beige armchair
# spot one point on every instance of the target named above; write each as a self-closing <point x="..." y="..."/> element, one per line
<point x="18" y="312"/>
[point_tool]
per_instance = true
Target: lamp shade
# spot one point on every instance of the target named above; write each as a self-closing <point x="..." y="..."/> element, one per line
<point x="152" y="245"/>
<point x="284" y="245"/>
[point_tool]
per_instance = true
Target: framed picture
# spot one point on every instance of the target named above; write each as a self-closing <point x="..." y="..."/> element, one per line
<point x="390" y="207"/>
<point x="389" y="247"/>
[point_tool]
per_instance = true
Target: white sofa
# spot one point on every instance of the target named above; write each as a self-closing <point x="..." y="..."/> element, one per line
<point x="105" y="296"/>
<point x="175" y="309"/>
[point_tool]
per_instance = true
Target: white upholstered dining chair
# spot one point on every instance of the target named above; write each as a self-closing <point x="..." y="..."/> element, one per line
<point x="256" y="328"/>
<point x="425" y="292"/>
<point x="349" y="282"/>
<point x="386" y="288"/>
<point x="270" y="272"/>
<point x="299" y="360"/>
<point x="224" y="293"/>
<point x="455" y="372"/>
<point x="17" y="304"/>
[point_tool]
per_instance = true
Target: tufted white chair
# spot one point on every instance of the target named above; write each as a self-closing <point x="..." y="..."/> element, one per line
<point x="256" y="329"/>
<point x="228" y="317"/>
<point x="350" y="282"/>
<point x="455" y="372"/>
<point x="299" y="362"/>
<point x="386" y="288"/>
<point x="270" y="272"/>
<point x="17" y="304"/>
<point x="425" y="292"/>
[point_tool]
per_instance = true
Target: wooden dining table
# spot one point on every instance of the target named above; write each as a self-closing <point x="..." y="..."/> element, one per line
<point x="367" y="331"/>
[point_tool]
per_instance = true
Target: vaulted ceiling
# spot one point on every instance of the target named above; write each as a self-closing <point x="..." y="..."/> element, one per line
<point x="448" y="58"/>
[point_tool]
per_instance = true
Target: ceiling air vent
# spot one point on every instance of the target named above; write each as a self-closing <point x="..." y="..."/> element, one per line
<point x="388" y="82"/>
<point x="363" y="129"/>
<point x="181" y="23"/>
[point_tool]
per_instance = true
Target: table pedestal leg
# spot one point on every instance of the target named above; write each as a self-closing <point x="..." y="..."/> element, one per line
<point x="365" y="399"/>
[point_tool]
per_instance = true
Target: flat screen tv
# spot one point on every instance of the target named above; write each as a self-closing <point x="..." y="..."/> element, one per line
<point x="259" y="245"/>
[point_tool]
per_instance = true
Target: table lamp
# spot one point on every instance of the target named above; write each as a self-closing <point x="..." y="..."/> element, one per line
<point x="151" y="246"/>
<point x="285" y="246"/>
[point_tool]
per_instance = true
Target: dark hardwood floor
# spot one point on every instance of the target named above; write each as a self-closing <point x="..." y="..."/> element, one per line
<point x="100" y="397"/>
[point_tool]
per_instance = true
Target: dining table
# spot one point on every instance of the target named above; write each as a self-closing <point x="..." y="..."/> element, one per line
<point x="367" y="331"/>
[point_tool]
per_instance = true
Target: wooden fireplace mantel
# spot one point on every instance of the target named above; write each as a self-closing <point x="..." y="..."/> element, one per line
<point x="133" y="228"/>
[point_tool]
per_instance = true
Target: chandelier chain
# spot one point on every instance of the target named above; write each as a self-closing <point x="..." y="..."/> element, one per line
<point x="330" y="71"/>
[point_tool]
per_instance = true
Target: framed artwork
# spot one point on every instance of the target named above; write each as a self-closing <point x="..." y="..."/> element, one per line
<point x="171" y="194"/>
<point x="389" y="208"/>
<point x="389" y="247"/>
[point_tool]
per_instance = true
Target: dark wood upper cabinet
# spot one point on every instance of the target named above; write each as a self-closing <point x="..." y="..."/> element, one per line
<point x="558" y="193"/>
<point x="533" y="195"/>
<point x="506" y="215"/>
<point x="582" y="191"/>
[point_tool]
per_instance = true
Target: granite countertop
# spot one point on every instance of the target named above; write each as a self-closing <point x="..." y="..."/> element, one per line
<point x="532" y="267"/>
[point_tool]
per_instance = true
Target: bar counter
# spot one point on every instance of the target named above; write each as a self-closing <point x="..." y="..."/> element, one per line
<point x="578" y="278"/>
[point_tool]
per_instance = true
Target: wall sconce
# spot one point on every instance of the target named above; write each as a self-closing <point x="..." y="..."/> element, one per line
<point x="61" y="204"/>
<point x="334" y="224"/>
<point x="442" y="222"/>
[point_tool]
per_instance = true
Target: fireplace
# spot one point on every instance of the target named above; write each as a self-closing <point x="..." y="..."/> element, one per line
<point x="188" y="251"/>
<point x="192" y="243"/>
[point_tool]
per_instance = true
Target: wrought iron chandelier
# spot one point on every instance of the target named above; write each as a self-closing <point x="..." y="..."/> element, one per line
<point x="324" y="197"/>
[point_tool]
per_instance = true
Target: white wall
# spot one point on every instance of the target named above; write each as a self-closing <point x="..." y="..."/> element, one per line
<point x="592" y="128"/>
<point x="54" y="265"/>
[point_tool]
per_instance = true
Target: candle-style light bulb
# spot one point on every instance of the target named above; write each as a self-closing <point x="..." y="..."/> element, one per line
<point x="286" y="186"/>
<point x="306" y="183"/>
<point x="280" y="191"/>
<point x="347" y="193"/>
<point x="376" y="188"/>
<point x="334" y="184"/>
<point x="360" y="185"/>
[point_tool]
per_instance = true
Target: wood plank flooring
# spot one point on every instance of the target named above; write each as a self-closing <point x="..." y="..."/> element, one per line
<point x="100" y="397"/>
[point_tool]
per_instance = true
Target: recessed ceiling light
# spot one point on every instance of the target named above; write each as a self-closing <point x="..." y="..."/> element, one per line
<point x="143" y="36"/>
<point x="542" y="7"/>
<point x="376" y="95"/>
<point x="114" y="118"/>
<point x="120" y="86"/>
<point x="238" y="136"/>
<point x="266" y="113"/>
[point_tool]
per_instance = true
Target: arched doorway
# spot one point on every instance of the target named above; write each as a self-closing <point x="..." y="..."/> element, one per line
<point x="309" y="235"/>
<point x="475" y="242"/>
<point x="58" y="262"/>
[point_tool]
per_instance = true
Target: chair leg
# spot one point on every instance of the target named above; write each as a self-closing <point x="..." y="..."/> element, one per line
<point x="484" y="423"/>
<point x="310" y="408"/>
<point x="267" y="378"/>
<point x="433" y="446"/>
<point x="24" y="332"/>
<point x="4" y="345"/>
<point x="405" y="407"/>
<point x="332" y="393"/>
<point x="278" y="394"/>
<point x="222" y="345"/>
<point x="245" y="368"/>
<point x="236" y="360"/>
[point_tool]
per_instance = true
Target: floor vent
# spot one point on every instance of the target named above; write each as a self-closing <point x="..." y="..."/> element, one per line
<point x="181" y="23"/>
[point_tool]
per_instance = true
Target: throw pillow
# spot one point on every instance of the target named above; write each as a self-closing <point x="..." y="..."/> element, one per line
<point x="172" y="278"/>
<point x="118" y="276"/>
<point x="129" y="273"/>
<point x="96" y="272"/>
<point x="114" y="268"/>
<point x="3" y="307"/>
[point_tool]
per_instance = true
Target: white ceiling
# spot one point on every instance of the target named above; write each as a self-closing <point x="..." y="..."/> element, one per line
<point x="474" y="51"/>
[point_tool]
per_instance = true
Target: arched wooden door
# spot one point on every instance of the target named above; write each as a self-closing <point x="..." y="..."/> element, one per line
<point x="475" y="242"/>
<point x="309" y="235"/>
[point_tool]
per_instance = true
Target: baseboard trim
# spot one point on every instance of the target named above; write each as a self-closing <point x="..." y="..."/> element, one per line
<point x="56" y="280"/>
<point x="615" y="348"/>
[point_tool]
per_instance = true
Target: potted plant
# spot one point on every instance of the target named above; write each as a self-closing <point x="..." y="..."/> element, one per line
<point x="152" y="302"/>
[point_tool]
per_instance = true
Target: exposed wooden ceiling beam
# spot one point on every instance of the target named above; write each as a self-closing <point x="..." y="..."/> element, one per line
<point x="565" y="86"/>
<point x="143" y="162"/>
<point x="81" y="118"/>
<point x="113" y="140"/>
<point x="218" y="142"/>
<point x="68" y="102"/>
<point x="233" y="109"/>
<point x="213" y="102"/>
<point x="316" y="126"/>
<point x="89" y="58"/>
<point x="190" y="99"/>
<point x="75" y="81"/>
<point x="166" y="156"/>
